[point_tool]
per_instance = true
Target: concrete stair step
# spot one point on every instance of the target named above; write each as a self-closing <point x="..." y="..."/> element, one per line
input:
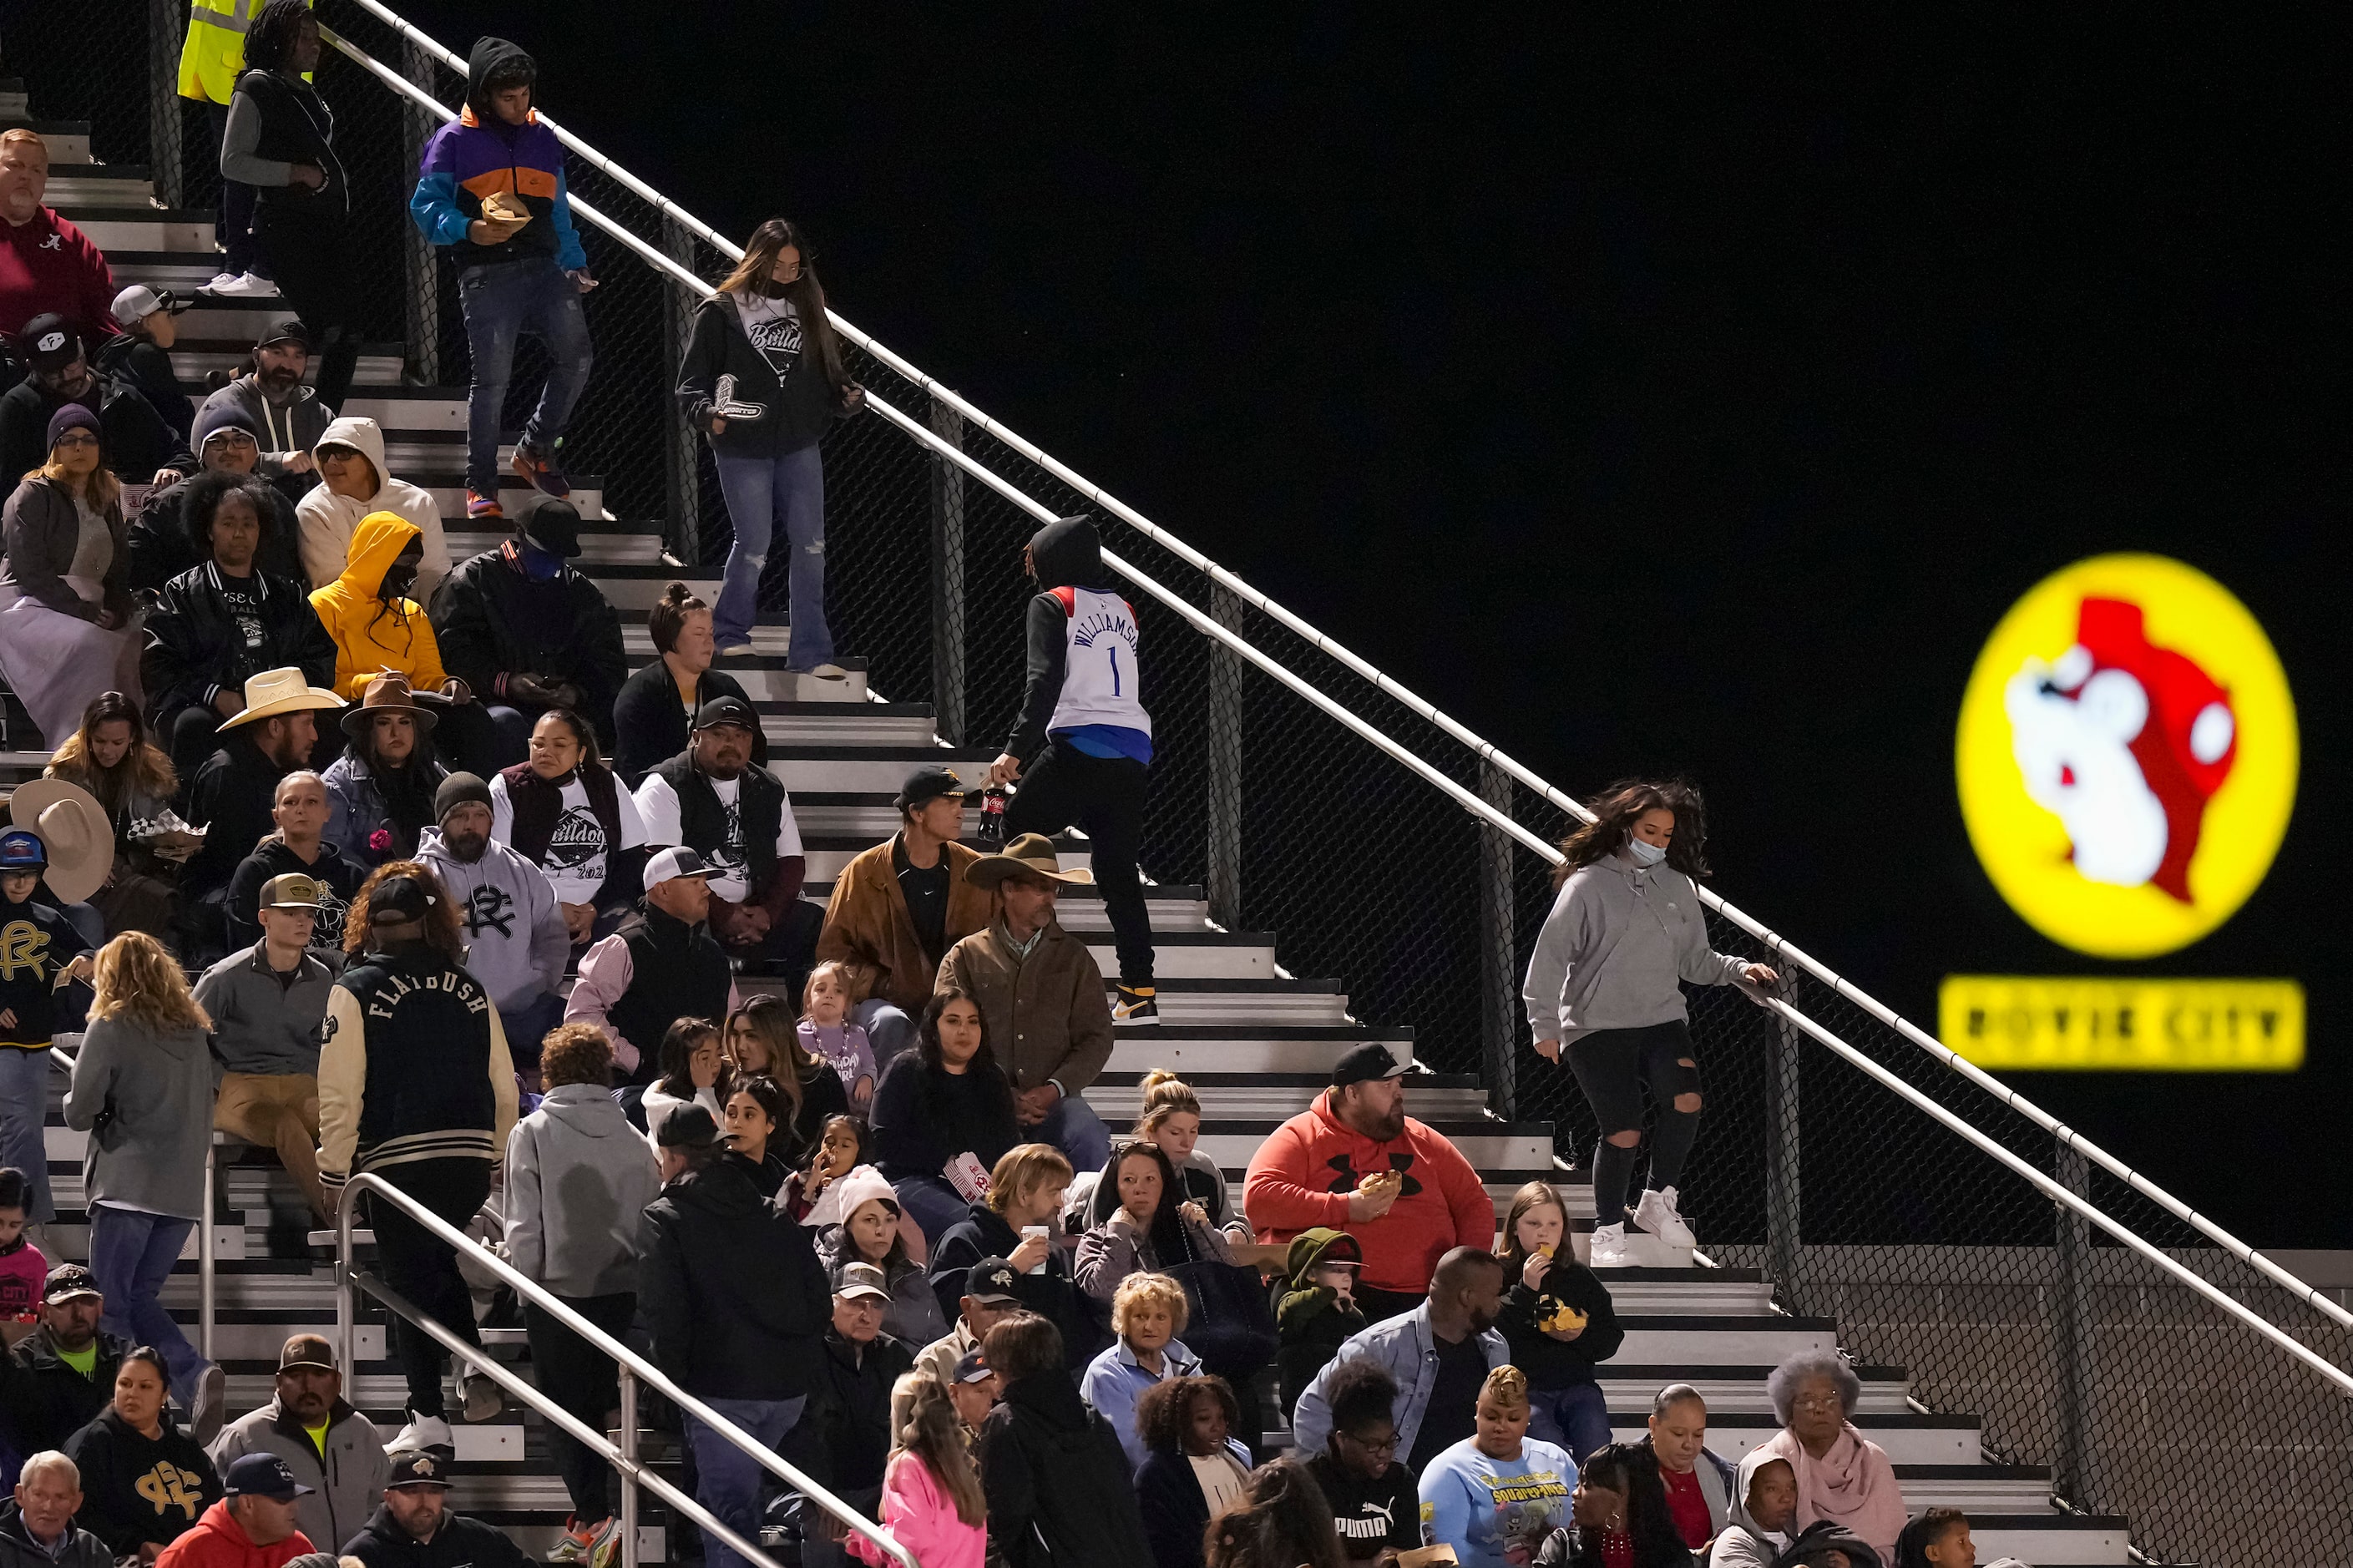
<point x="1189" y="1047"/>
<point x="875" y="771"/>
<point x="1629" y="1384"/>
<point x="2049" y="1539"/>
<point x="153" y="229"/>
<point x="193" y="363"/>
<point x="842" y="724"/>
<point x="97" y="187"/>
<point x="639" y="586"/>
<point x="66" y="140"/>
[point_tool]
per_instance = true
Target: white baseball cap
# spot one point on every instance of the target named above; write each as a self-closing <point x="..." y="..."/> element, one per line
<point x="674" y="863"/>
<point x="137" y="302"/>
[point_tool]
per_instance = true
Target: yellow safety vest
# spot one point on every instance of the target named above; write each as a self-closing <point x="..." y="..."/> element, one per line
<point x="214" y="55"/>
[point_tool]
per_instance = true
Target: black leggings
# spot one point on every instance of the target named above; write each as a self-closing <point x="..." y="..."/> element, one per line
<point x="424" y="1270"/>
<point x="308" y="257"/>
<point x="1611" y="1066"/>
<point x="1103" y="797"/>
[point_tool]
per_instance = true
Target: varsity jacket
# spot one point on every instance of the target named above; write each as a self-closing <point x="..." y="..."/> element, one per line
<point x="138" y="441"/>
<point x="415" y="1067"/>
<point x="494" y="622"/>
<point x="516" y="942"/>
<point x="725" y="373"/>
<point x="479" y="155"/>
<point x="198" y="647"/>
<point x="1082" y="674"/>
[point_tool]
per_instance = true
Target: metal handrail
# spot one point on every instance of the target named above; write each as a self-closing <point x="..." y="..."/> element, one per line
<point x="1484" y="750"/>
<point x="633" y="1367"/>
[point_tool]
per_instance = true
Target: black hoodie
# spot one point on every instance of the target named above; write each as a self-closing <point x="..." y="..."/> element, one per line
<point x="730" y="1288"/>
<point x="1067" y="553"/>
<point x="136" y="1488"/>
<point x="1553" y="1365"/>
<point x="1058" y="1485"/>
<point x="460" y="1543"/>
<point x="479" y="153"/>
<point x="767" y="415"/>
<point x="332" y="869"/>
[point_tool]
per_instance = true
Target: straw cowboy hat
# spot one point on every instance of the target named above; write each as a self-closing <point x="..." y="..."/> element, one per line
<point x="73" y="828"/>
<point x="276" y="691"/>
<point x="1032" y="855"/>
<point x="388" y="693"/>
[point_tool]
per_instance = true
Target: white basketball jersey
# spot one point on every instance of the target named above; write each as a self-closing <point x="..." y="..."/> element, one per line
<point x="1098" y="666"/>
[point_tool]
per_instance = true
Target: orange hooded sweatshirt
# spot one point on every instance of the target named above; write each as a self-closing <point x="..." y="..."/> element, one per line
<point x="1302" y="1176"/>
<point x="371" y="635"/>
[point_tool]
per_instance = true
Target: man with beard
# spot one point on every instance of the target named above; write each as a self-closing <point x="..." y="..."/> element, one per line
<point x="1354" y="1161"/>
<point x="57" y="1381"/>
<point x="299" y="848"/>
<point x="1440" y="1354"/>
<point x="140" y="447"/>
<point x="516" y="942"/>
<point x="231" y="795"/>
<point x="330" y="1447"/>
<point x="739" y="819"/>
<point x="414" y="1527"/>
<point x="216" y="623"/>
<point x="158" y="540"/>
<point x="271" y="400"/>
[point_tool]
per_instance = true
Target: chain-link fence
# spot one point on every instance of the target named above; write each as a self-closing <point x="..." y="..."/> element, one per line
<point x="2140" y="1396"/>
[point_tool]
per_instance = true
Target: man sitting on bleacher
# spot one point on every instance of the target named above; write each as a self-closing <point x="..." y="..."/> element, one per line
<point x="308" y="1425"/>
<point x="57" y="1380"/>
<point x="158" y="540"/>
<point x="1439" y="1352"/>
<point x="1356" y="1162"/>
<point x="140" y="447"/>
<point x="273" y="400"/>
<point x="710" y="799"/>
<point x="660" y="966"/>
<point x="414" y="1527"/>
<point x="45" y="263"/>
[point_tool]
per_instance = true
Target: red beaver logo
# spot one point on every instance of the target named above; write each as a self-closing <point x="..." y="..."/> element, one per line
<point x="2125" y="743"/>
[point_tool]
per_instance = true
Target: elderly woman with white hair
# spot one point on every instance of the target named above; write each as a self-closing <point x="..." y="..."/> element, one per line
<point x="1842" y="1476"/>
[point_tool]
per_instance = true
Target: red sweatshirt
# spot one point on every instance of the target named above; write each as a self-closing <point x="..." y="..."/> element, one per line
<point x="47" y="264"/>
<point x="217" y="1541"/>
<point x="1301" y="1177"/>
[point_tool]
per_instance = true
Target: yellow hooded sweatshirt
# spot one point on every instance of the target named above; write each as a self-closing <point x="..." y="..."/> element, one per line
<point x="371" y="635"/>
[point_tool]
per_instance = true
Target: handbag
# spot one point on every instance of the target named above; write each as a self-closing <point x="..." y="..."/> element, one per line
<point x="1229" y="1320"/>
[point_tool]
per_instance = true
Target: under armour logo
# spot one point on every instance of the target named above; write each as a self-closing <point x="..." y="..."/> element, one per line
<point x="491" y="908"/>
<point x="1345" y="1177"/>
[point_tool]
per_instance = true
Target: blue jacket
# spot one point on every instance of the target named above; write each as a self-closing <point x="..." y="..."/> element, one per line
<point x="1114" y="1381"/>
<point x="1404" y="1345"/>
<point x="479" y="155"/>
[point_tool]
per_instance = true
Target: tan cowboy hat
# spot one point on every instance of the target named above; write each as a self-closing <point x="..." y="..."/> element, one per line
<point x="1032" y="855"/>
<point x="276" y="691"/>
<point x="73" y="829"/>
<point x="388" y="693"/>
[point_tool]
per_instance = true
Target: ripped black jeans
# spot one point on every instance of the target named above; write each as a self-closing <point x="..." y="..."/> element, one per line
<point x="1611" y="1066"/>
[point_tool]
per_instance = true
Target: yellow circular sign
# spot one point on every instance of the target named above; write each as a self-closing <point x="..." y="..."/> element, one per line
<point x="2126" y="755"/>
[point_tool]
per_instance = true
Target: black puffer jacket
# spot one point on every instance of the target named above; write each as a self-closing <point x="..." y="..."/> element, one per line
<point x="492" y="622"/>
<point x="43" y="1401"/>
<point x="1058" y="1485"/>
<point x="197" y="649"/>
<point x="730" y="1288"/>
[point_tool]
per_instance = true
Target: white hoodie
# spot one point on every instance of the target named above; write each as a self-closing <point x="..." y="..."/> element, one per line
<point x="516" y="941"/>
<point x="328" y="520"/>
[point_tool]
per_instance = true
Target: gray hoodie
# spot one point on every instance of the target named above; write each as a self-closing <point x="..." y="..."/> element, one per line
<point x="262" y="1024"/>
<point x="1743" y="1542"/>
<point x="515" y="941"/>
<point x="578" y="1179"/>
<point x="145" y="1098"/>
<point x="1619" y="938"/>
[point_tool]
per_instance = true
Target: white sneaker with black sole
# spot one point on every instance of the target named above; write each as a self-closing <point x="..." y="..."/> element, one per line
<point x="1657" y="1214"/>
<point x="248" y="287"/>
<point x="422" y="1432"/>
<point x="1608" y="1247"/>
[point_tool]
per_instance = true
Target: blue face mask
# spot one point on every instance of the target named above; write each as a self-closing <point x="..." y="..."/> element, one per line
<point x="1644" y="854"/>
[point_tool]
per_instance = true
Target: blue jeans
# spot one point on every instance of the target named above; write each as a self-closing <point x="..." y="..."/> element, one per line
<point x="1576" y="1418"/>
<point x="131" y="1255"/>
<point x="890" y="1032"/>
<point x="1073" y="1127"/>
<point x="760" y="492"/>
<point x="24" y="1111"/>
<point x="935" y="1205"/>
<point x="727" y="1479"/>
<point x="502" y="302"/>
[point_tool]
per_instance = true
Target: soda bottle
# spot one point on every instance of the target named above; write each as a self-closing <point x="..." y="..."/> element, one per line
<point x="992" y="816"/>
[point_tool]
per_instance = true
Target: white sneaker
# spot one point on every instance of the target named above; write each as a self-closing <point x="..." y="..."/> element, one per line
<point x="221" y="284"/>
<point x="1656" y="1214"/>
<point x="248" y="287"/>
<point x="1607" y="1249"/>
<point x="421" y="1433"/>
<point x="830" y="672"/>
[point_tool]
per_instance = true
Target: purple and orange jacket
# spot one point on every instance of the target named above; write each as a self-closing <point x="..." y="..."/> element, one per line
<point x="477" y="155"/>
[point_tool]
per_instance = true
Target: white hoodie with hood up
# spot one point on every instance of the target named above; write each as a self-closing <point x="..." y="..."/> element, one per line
<point x="328" y="520"/>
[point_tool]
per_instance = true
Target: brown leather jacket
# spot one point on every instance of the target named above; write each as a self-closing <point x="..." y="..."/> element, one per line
<point x="867" y="926"/>
<point x="1046" y="1015"/>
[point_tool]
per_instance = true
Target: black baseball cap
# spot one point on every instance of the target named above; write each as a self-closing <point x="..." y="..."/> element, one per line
<point x="925" y="785"/>
<point x="727" y="711"/>
<point x="689" y="1127"/>
<point x="398" y="899"/>
<point x="285" y="331"/>
<point x="69" y="1279"/>
<point x="553" y="525"/>
<point x="262" y="1475"/>
<point x="415" y="1467"/>
<point x="990" y="1282"/>
<point x="51" y="342"/>
<point x="1369" y="1063"/>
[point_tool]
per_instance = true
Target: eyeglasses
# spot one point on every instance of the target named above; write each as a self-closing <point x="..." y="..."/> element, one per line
<point x="77" y="438"/>
<point x="1818" y="1402"/>
<point x="1387" y="1444"/>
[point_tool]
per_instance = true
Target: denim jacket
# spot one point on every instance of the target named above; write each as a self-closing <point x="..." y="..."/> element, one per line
<point x="1404" y="1345"/>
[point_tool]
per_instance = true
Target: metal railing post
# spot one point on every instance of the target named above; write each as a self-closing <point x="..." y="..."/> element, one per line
<point x="347" y="1315"/>
<point x="1499" y="948"/>
<point x="165" y="20"/>
<point x="683" y="445"/>
<point x="947" y="581"/>
<point x="206" y="1244"/>
<point x="628" y="1446"/>
<point x="1223" y="855"/>
<point x="1783" y="1191"/>
<point x="2071" y="1334"/>
<point x="421" y="304"/>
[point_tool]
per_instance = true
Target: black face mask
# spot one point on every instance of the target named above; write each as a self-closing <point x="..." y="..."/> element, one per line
<point x="771" y="288"/>
<point x="398" y="578"/>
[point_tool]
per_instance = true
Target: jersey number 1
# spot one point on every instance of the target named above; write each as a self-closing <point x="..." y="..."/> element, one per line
<point x="1114" y="652"/>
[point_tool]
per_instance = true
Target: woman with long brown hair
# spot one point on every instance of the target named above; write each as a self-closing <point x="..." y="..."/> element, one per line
<point x="1626" y="928"/>
<point x="68" y="627"/>
<point x="763" y="1039"/>
<point x="763" y="380"/>
<point x="134" y="782"/>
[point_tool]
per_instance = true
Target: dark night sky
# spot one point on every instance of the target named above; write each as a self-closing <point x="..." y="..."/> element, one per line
<point x="1672" y="393"/>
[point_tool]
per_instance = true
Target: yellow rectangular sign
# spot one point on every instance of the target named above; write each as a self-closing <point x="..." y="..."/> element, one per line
<point x="2030" y="1021"/>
